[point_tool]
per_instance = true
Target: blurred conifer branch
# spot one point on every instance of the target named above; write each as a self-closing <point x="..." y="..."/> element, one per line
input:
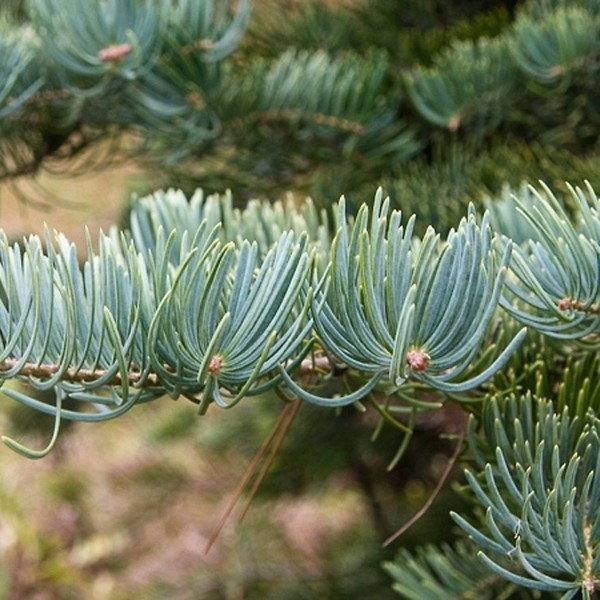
<point x="177" y="79"/>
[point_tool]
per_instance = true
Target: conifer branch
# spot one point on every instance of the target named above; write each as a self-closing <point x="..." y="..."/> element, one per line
<point x="47" y="371"/>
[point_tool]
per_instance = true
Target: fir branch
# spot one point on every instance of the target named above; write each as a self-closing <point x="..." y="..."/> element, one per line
<point x="318" y="118"/>
<point x="48" y="371"/>
<point x="541" y="496"/>
<point x="444" y="573"/>
<point x="556" y="288"/>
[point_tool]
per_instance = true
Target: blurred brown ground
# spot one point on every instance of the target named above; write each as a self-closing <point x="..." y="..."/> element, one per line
<point x="95" y="199"/>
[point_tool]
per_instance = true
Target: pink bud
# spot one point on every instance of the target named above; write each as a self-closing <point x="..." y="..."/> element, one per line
<point x="417" y="360"/>
<point x="115" y="52"/>
<point x="565" y="304"/>
<point x="216" y="363"/>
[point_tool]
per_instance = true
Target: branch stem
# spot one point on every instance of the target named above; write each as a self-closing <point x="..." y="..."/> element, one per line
<point x="434" y="495"/>
<point x="45" y="371"/>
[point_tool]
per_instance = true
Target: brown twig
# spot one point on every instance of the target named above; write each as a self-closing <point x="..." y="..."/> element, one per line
<point x="315" y="364"/>
<point x="249" y="474"/>
<point x="45" y="371"/>
<point x="272" y="455"/>
<point x="571" y="304"/>
<point x="434" y="495"/>
<point x="292" y="114"/>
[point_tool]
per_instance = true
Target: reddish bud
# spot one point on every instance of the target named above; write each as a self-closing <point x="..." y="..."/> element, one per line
<point x="194" y="99"/>
<point x="115" y="52"/>
<point x="417" y="360"/>
<point x="565" y="304"/>
<point x="216" y="363"/>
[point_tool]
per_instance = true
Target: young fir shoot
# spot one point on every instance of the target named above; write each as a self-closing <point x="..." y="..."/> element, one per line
<point x="556" y="283"/>
<point x="395" y="310"/>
